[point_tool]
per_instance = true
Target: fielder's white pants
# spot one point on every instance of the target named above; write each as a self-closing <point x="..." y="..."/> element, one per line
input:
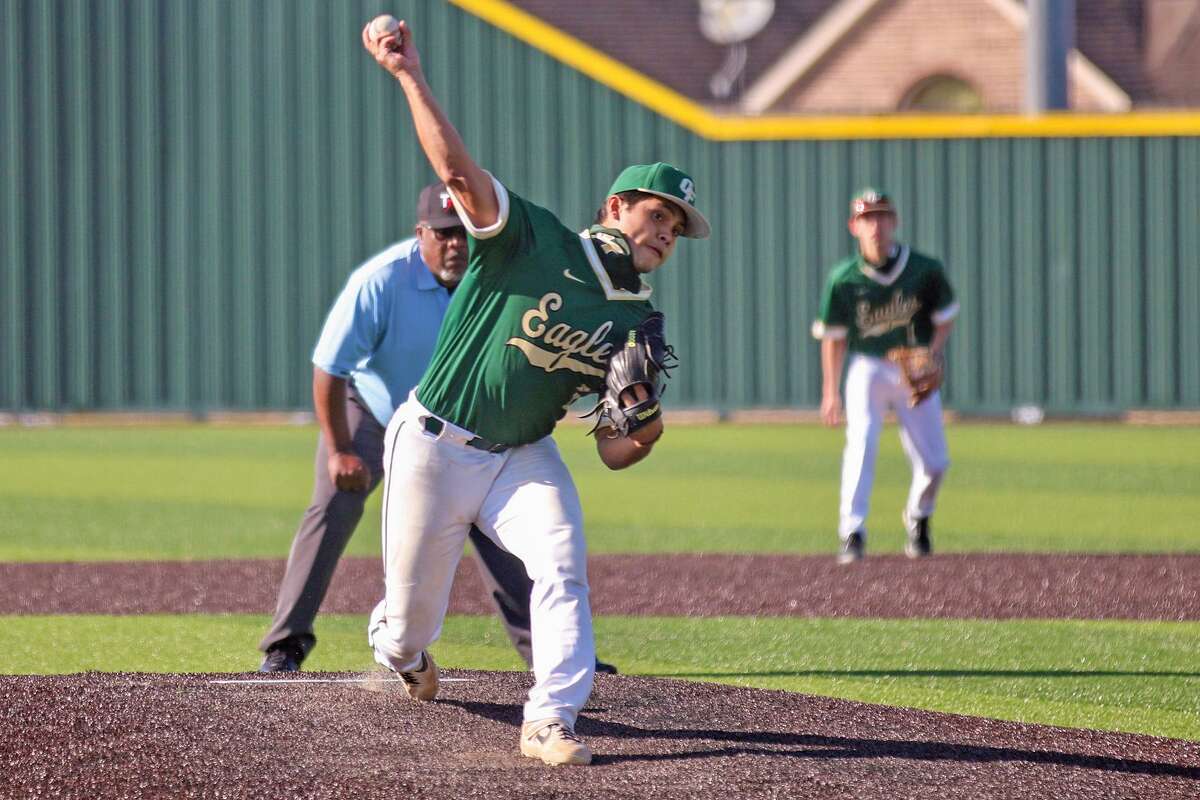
<point x="524" y="500"/>
<point x="874" y="386"/>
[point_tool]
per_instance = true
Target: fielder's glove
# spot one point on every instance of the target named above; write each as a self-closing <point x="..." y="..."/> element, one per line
<point x="922" y="369"/>
<point x="645" y="360"/>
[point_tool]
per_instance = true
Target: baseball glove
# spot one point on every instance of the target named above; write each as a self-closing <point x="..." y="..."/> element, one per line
<point x="645" y="360"/>
<point x="922" y="369"/>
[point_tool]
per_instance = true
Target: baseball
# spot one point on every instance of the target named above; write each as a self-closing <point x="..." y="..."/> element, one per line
<point x="383" y="25"/>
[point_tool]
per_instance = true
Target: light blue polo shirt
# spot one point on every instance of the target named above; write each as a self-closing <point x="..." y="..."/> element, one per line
<point x="381" y="330"/>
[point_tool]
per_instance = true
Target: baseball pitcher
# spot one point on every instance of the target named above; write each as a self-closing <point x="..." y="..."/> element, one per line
<point x="544" y="315"/>
<point x="376" y="342"/>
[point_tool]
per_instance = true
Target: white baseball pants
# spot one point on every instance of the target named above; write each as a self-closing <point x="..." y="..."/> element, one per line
<point x="524" y="500"/>
<point x="873" y="386"/>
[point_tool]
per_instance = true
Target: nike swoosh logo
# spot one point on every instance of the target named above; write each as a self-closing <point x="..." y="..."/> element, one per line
<point x="567" y="272"/>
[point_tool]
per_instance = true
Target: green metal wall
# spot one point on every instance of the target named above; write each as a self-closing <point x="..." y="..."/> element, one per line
<point x="186" y="183"/>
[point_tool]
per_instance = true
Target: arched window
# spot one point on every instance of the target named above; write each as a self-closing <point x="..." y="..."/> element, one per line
<point x="944" y="94"/>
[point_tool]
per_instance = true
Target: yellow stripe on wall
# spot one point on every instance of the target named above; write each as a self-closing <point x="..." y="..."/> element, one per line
<point x="703" y="122"/>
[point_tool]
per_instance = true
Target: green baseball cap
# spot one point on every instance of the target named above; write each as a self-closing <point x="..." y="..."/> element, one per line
<point x="671" y="184"/>
<point x="868" y="200"/>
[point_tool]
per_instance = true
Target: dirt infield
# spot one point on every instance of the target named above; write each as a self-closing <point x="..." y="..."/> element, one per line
<point x="1150" y="587"/>
<point x="121" y="735"/>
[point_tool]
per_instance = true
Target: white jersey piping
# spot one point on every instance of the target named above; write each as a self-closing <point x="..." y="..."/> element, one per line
<point x="891" y="277"/>
<point x="610" y="292"/>
<point x="488" y="231"/>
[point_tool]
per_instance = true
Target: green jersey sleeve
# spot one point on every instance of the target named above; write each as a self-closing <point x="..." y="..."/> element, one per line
<point x="941" y="297"/>
<point x="836" y="316"/>
<point x="510" y="236"/>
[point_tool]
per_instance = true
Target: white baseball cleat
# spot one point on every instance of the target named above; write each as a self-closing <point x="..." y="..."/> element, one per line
<point x="421" y="683"/>
<point x="553" y="741"/>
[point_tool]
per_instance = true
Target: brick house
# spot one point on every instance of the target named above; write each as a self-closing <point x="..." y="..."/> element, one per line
<point x="880" y="56"/>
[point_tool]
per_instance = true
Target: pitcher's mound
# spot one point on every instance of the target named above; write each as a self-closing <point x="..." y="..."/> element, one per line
<point x="336" y="735"/>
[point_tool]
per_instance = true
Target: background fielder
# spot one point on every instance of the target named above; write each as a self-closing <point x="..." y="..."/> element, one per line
<point x="883" y="297"/>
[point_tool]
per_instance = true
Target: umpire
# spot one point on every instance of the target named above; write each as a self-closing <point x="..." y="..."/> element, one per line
<point x="375" y="345"/>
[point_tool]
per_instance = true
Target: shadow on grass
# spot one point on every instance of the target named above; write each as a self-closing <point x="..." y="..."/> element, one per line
<point x="797" y="745"/>
<point x="927" y="673"/>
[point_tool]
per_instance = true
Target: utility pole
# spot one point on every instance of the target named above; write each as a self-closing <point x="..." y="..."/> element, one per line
<point x="1048" y="39"/>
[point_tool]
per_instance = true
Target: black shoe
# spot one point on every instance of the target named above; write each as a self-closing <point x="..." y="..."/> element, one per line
<point x="606" y="668"/>
<point x="284" y="656"/>
<point x="852" y="548"/>
<point x="918" y="544"/>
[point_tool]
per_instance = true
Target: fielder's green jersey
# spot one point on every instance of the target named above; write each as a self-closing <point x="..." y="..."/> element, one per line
<point x="877" y="311"/>
<point x="530" y="328"/>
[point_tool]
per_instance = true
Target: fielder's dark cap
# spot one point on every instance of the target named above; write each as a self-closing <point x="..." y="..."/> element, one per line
<point x="868" y="200"/>
<point x="435" y="208"/>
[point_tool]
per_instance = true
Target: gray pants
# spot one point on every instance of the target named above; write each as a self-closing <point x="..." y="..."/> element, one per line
<point x="327" y="526"/>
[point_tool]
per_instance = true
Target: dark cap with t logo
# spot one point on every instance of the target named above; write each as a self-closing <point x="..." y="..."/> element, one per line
<point x="435" y="208"/>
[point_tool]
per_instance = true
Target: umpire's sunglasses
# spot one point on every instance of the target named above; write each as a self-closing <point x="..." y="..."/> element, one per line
<point x="442" y="234"/>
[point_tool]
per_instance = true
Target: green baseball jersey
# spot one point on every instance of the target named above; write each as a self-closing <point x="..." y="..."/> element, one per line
<point x="877" y="311"/>
<point x="530" y="328"/>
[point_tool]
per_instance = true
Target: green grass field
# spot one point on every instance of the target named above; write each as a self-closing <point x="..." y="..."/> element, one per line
<point x="196" y="492"/>
<point x="199" y="492"/>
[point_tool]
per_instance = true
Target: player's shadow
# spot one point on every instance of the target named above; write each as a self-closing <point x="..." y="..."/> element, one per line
<point x="799" y="745"/>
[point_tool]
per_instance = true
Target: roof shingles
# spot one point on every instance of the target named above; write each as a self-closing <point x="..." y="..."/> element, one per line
<point x="663" y="41"/>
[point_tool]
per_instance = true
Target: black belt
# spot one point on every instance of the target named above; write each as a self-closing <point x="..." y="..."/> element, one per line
<point x="435" y="426"/>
